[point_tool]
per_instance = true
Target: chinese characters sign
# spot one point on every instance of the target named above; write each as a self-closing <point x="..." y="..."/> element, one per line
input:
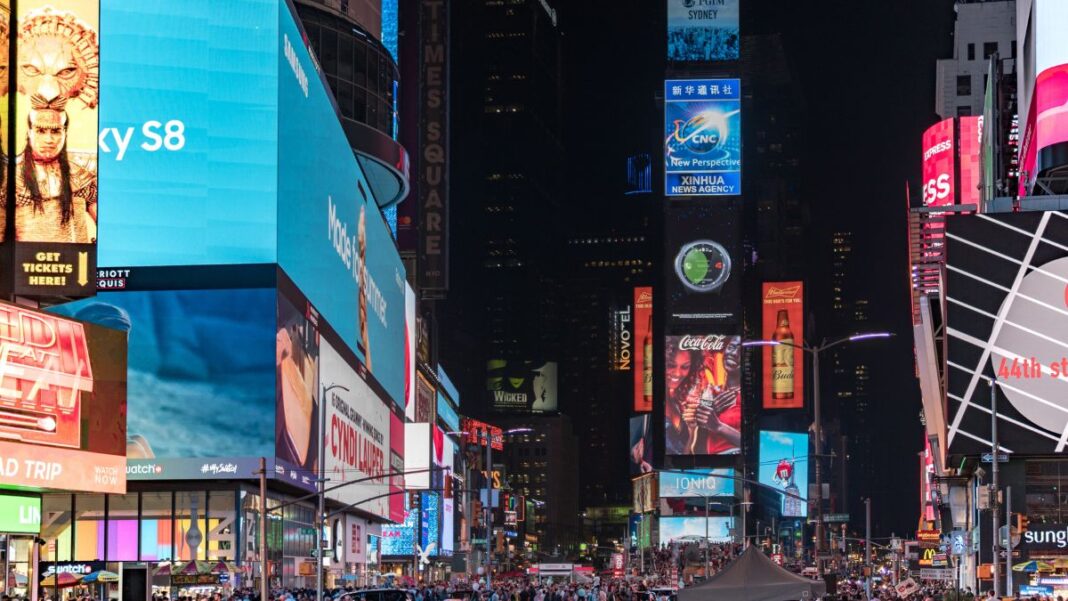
<point x="702" y="137"/>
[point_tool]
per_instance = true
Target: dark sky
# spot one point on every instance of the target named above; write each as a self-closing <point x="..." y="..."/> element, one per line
<point x="866" y="69"/>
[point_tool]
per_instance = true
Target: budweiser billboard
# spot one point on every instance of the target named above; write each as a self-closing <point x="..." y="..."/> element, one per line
<point x="643" y="356"/>
<point x="703" y="400"/>
<point x="783" y="312"/>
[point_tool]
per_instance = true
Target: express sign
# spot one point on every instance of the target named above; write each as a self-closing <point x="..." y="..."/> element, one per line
<point x="939" y="164"/>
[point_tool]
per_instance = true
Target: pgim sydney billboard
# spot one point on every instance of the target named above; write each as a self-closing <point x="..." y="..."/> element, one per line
<point x="702" y="31"/>
<point x="702" y="137"/>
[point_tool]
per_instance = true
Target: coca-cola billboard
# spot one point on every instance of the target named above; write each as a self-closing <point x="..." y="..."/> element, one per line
<point x="703" y="394"/>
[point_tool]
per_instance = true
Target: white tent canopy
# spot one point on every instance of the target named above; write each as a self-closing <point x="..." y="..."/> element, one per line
<point x="754" y="577"/>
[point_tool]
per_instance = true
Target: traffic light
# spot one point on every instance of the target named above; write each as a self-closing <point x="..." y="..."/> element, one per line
<point x="1022" y="521"/>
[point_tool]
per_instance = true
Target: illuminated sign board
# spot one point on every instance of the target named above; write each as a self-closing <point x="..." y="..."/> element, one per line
<point x="643" y="353"/>
<point x="521" y="386"/>
<point x="1045" y="123"/>
<point x="697" y="483"/>
<point x="784" y="466"/>
<point x="447" y="414"/>
<point x="478" y="432"/>
<point x="703" y="372"/>
<point x="622" y="339"/>
<point x="702" y="137"/>
<point x="701" y="31"/>
<point x="784" y="365"/>
<point x="62" y="402"/>
<point x="939" y="164"/>
<point x="703" y="271"/>
<point x="694" y="529"/>
<point x="645" y="496"/>
<point x="20" y="515"/>
<point x="970" y="148"/>
<point x="641" y="445"/>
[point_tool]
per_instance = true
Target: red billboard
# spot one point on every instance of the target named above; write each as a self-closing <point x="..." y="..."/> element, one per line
<point x="62" y="403"/>
<point x="1047" y="125"/>
<point x="939" y="165"/>
<point x="971" y="149"/>
<point x="784" y="375"/>
<point x="643" y="357"/>
<point x="703" y="394"/>
<point x="476" y="432"/>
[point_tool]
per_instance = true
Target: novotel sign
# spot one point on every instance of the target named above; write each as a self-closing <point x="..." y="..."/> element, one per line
<point x="697" y="483"/>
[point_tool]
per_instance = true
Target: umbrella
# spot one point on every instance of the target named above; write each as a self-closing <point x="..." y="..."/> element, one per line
<point x="1032" y="566"/>
<point x="64" y="579"/>
<point x="1060" y="563"/>
<point x="100" y="576"/>
<point x="223" y="567"/>
<point x="194" y="567"/>
<point x="164" y="569"/>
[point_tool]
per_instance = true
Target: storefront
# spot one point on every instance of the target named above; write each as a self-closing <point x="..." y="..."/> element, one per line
<point x="20" y="522"/>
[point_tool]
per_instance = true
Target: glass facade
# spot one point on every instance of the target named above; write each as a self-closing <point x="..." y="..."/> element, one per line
<point x="360" y="70"/>
<point x="1047" y="490"/>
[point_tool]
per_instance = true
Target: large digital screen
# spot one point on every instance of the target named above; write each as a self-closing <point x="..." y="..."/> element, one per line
<point x="704" y="262"/>
<point x="357" y="435"/>
<point x="430" y="523"/>
<point x="194" y="154"/>
<point x="57" y="85"/>
<point x="447" y="414"/>
<point x="521" y="386"/>
<point x="396" y="468"/>
<point x="783" y="466"/>
<point x="702" y="137"/>
<point x="399" y="539"/>
<point x="641" y="445"/>
<point x="643" y="353"/>
<point x="62" y="401"/>
<point x="694" y="530"/>
<point x="1045" y="124"/>
<point x="703" y="396"/>
<point x="939" y="164"/>
<point x="298" y="398"/>
<point x="334" y="245"/>
<point x="201" y="369"/>
<point x="20" y="514"/>
<point x="969" y="158"/>
<point x="697" y="483"/>
<point x="1005" y="319"/>
<point x="701" y="31"/>
<point x="784" y="362"/>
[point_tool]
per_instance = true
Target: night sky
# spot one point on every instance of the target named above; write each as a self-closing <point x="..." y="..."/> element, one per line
<point x="867" y="72"/>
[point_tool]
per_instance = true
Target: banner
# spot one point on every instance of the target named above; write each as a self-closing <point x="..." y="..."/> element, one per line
<point x="521" y="386"/>
<point x="641" y="445"/>
<point x="939" y="165"/>
<point x="57" y="85"/>
<point x="703" y="396"/>
<point x="644" y="488"/>
<point x="702" y="137"/>
<point x="433" y="155"/>
<point x="697" y="483"/>
<point x="643" y="353"/>
<point x="784" y="363"/>
<point x="703" y="248"/>
<point x="784" y="466"/>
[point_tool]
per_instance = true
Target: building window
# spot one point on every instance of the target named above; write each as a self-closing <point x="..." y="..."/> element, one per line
<point x="971" y="52"/>
<point x="122" y="527"/>
<point x="88" y="527"/>
<point x="964" y="85"/>
<point x="964" y="111"/>
<point x="157" y="530"/>
<point x="56" y="519"/>
<point x="989" y="49"/>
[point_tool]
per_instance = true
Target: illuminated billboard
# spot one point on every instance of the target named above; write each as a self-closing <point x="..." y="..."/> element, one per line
<point x="641" y="445"/>
<point x="644" y="489"/>
<point x="62" y="401"/>
<point x="357" y="434"/>
<point x="396" y="468"/>
<point x="694" y="529"/>
<point x="784" y="364"/>
<point x="399" y="539"/>
<point x="1045" y="124"/>
<point x="1005" y="319"/>
<point x="939" y="164"/>
<point x="702" y="31"/>
<point x="702" y="137"/>
<point x="643" y="353"/>
<point x="622" y="341"/>
<point x="417" y="449"/>
<point x="970" y="148"/>
<point x="704" y="262"/>
<point x="20" y="515"/>
<point x="703" y="396"/>
<point x="783" y="466"/>
<point x="478" y="433"/>
<point x="697" y="483"/>
<point x="447" y="414"/>
<point x="57" y="90"/>
<point x="521" y="386"/>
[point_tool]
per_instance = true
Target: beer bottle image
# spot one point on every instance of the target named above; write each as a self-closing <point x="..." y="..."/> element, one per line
<point x="647" y="364"/>
<point x="782" y="359"/>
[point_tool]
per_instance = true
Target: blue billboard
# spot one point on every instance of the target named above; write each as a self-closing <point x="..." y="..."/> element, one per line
<point x="333" y="241"/>
<point x="697" y="483"/>
<point x="430" y="523"/>
<point x="784" y="466"/>
<point x="447" y="414"/>
<point x="399" y="539"/>
<point x="188" y="132"/>
<point x="694" y="529"/>
<point x="702" y="137"/>
<point x="702" y="31"/>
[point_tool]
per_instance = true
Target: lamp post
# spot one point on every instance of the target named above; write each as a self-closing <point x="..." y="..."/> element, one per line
<point x="817" y="426"/>
<point x="488" y="509"/>
<point x="321" y="521"/>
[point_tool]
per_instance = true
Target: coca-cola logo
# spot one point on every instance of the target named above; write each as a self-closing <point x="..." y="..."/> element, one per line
<point x="709" y="342"/>
<point x="777" y="292"/>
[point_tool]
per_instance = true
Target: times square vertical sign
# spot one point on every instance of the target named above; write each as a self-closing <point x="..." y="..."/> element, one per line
<point x="433" y="148"/>
<point x="51" y="55"/>
<point x="702" y="137"/>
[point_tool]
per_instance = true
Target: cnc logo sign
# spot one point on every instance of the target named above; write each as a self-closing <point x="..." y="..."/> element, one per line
<point x="703" y="266"/>
<point x="44" y="369"/>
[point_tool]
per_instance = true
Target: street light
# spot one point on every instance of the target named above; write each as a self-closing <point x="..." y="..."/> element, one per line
<point x="322" y="492"/>
<point x="817" y="426"/>
<point x="488" y="509"/>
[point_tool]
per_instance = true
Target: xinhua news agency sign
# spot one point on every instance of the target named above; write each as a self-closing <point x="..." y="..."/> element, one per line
<point x="1044" y="537"/>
